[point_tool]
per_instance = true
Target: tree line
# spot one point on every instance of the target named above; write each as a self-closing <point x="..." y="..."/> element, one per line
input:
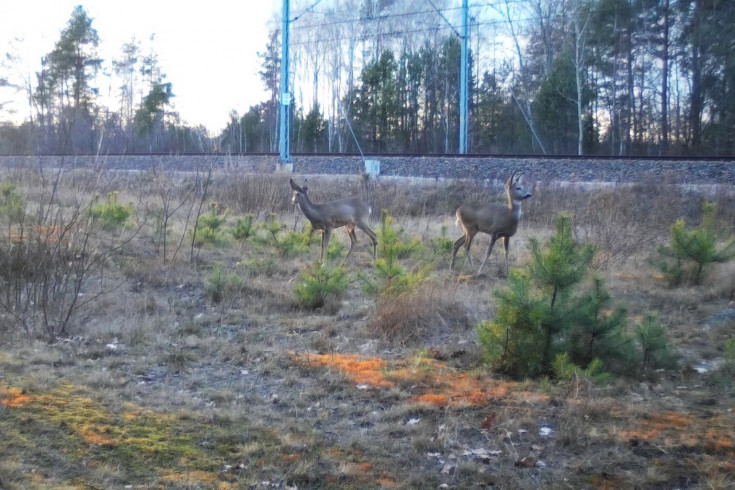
<point x="617" y="77"/>
<point x="66" y="114"/>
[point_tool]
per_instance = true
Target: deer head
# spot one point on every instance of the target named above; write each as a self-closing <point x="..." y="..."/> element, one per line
<point x="298" y="192"/>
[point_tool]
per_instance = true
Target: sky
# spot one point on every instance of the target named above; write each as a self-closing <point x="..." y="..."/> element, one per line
<point x="208" y="50"/>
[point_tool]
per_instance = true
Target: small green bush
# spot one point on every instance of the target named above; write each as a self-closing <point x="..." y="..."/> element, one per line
<point x="221" y="285"/>
<point x="266" y="266"/>
<point x="565" y="370"/>
<point x="12" y="205"/>
<point x="273" y="234"/>
<point x="243" y="228"/>
<point x="318" y="283"/>
<point x="335" y="250"/>
<point x="210" y="229"/>
<point x="442" y="245"/>
<point x="110" y="215"/>
<point x="392" y="241"/>
<point x="392" y="277"/>
<point x="690" y="253"/>
<point x="599" y="332"/>
<point x="654" y="345"/>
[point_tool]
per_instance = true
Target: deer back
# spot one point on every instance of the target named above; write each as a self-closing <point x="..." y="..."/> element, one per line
<point x="342" y="212"/>
<point x="489" y="218"/>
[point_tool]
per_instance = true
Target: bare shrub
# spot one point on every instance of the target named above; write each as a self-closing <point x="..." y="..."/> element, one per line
<point x="721" y="284"/>
<point x="254" y="193"/>
<point x="51" y="253"/>
<point x="163" y="198"/>
<point x="418" y="315"/>
<point x="610" y="219"/>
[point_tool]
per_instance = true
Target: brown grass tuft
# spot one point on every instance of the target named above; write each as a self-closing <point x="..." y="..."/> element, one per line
<point x="417" y="316"/>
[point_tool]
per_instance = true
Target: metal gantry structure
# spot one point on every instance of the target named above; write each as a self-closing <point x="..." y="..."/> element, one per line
<point x="285" y="103"/>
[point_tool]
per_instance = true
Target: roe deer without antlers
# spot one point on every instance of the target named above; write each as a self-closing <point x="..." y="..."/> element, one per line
<point x="495" y="219"/>
<point x="350" y="213"/>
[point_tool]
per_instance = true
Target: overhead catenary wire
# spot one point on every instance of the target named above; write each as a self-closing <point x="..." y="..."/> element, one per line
<point x="349" y="18"/>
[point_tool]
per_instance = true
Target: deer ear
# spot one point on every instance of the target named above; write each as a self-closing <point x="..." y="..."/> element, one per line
<point x="294" y="186"/>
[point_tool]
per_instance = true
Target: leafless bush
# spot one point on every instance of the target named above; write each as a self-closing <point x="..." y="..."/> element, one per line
<point x="253" y="193"/>
<point x="52" y="255"/>
<point x="611" y="221"/>
<point x="418" y="315"/>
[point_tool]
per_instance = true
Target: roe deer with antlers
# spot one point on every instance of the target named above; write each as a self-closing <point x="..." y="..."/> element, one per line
<point x="495" y="219"/>
<point x="350" y="213"/>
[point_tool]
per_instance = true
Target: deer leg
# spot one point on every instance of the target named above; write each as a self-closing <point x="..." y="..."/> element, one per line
<point x="353" y="239"/>
<point x="457" y="245"/>
<point x="506" y="245"/>
<point x="373" y="237"/>
<point x="489" y="249"/>
<point x="325" y="242"/>
<point x="467" y="244"/>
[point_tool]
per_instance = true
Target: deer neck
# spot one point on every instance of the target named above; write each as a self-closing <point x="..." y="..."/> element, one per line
<point x="311" y="211"/>
<point x="515" y="207"/>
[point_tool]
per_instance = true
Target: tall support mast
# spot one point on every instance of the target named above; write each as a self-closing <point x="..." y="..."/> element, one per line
<point x="285" y="102"/>
<point x="463" y="80"/>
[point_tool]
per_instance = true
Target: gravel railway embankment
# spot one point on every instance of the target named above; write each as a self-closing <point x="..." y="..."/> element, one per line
<point x="539" y="169"/>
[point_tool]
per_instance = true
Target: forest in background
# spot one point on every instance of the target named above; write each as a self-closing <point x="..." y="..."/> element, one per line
<point x="612" y="77"/>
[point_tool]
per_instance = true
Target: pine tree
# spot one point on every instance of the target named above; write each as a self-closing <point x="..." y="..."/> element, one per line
<point x="542" y="313"/>
<point x="691" y="251"/>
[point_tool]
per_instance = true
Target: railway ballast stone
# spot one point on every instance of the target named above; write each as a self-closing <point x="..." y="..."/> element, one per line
<point x="539" y="169"/>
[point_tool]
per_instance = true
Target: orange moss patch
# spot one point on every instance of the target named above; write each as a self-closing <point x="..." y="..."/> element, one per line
<point x="461" y="389"/>
<point x="368" y="371"/>
<point x="96" y="436"/>
<point x="439" y="385"/>
<point x="14" y="397"/>
<point x="652" y="428"/>
<point x="432" y="399"/>
<point x="621" y="275"/>
<point x="717" y="442"/>
<point x="530" y="397"/>
<point x="720" y="434"/>
<point x="675" y="429"/>
<point x="131" y="415"/>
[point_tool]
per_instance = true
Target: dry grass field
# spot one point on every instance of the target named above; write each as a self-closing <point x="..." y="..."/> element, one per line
<point x="135" y="354"/>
